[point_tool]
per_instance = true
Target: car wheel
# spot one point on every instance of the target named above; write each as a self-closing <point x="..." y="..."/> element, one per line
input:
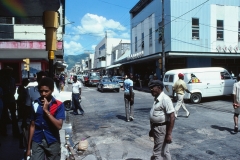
<point x="102" y="89"/>
<point x="195" y="98"/>
<point x="67" y="105"/>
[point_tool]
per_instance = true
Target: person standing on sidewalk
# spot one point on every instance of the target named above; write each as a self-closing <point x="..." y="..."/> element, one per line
<point x="236" y="102"/>
<point x="179" y="88"/>
<point x="47" y="115"/>
<point x="128" y="97"/>
<point x="9" y="103"/>
<point x="76" y="96"/>
<point x="161" y="121"/>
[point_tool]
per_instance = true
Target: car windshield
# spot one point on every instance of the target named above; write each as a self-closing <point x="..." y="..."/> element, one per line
<point x="94" y="74"/>
<point x="94" y="77"/>
<point x="106" y="80"/>
<point x="119" y="78"/>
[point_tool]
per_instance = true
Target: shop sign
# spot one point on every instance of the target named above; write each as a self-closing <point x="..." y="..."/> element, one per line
<point x="135" y="56"/>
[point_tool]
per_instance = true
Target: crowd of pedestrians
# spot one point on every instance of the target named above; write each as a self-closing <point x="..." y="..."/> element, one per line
<point x="39" y="103"/>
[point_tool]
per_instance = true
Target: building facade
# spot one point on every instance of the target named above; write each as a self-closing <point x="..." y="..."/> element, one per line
<point x="197" y="33"/>
<point x="24" y="37"/>
<point x="103" y="54"/>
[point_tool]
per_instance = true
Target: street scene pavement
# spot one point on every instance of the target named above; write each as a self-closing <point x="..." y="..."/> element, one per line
<point x="206" y="134"/>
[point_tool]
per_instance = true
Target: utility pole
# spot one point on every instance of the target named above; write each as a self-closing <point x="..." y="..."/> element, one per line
<point x="163" y="43"/>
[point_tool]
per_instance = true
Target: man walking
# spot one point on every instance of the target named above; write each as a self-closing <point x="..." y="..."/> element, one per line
<point x="236" y="102"/>
<point x="47" y="116"/>
<point x="128" y="97"/>
<point x="76" y="95"/>
<point x="179" y="88"/>
<point x="161" y="121"/>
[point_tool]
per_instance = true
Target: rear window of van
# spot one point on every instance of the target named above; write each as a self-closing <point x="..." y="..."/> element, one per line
<point x="168" y="78"/>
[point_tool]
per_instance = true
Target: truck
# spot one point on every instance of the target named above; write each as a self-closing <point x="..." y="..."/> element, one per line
<point x="201" y="82"/>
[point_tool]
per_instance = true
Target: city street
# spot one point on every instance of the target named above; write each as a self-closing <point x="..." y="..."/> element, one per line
<point x="206" y="134"/>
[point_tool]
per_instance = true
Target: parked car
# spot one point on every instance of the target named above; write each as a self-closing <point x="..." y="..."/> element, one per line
<point x="106" y="84"/>
<point x="118" y="79"/>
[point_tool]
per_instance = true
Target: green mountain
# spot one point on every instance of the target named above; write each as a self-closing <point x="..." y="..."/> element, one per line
<point x="71" y="60"/>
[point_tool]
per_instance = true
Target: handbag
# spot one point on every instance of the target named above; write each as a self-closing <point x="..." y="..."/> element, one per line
<point x="83" y="145"/>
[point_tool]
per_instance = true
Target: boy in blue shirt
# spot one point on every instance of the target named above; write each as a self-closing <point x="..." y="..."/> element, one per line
<point x="46" y="120"/>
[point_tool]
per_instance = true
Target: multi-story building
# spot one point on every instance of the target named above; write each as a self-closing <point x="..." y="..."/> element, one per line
<point x="24" y="37"/>
<point x="119" y="55"/>
<point x="103" y="53"/>
<point x="197" y="33"/>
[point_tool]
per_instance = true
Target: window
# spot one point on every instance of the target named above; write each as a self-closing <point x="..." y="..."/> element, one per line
<point x="150" y="37"/>
<point x="225" y="75"/>
<point x="195" y="28"/>
<point x="6" y="32"/>
<point x="220" y="29"/>
<point x="29" y="20"/>
<point x="5" y="20"/>
<point x="135" y="44"/>
<point x="168" y="78"/>
<point x="239" y="31"/>
<point x="101" y="48"/>
<point x="142" y="40"/>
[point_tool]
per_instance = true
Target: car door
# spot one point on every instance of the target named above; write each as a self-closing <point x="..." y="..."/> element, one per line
<point x="213" y="84"/>
<point x="168" y="84"/>
<point x="226" y="83"/>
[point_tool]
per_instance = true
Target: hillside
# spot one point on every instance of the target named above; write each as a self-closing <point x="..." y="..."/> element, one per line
<point x="71" y="60"/>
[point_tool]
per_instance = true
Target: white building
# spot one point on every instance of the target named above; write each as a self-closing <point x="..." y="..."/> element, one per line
<point x="198" y="33"/>
<point x="103" y="53"/>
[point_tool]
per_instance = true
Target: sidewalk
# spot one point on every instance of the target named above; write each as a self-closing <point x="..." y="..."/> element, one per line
<point x="10" y="146"/>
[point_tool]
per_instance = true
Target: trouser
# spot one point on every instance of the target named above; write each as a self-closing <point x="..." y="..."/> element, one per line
<point x="160" y="150"/>
<point x="180" y="102"/>
<point x="52" y="151"/>
<point x="25" y="113"/>
<point x="129" y="105"/>
<point x="76" y="104"/>
<point x="5" y="116"/>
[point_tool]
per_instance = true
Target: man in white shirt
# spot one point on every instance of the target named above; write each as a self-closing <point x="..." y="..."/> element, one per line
<point x="161" y="120"/>
<point x="76" y="95"/>
<point x="236" y="102"/>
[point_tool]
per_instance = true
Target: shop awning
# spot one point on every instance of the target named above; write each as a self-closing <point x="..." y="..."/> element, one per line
<point x="113" y="66"/>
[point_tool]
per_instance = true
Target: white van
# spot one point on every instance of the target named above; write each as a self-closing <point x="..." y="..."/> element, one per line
<point x="201" y="82"/>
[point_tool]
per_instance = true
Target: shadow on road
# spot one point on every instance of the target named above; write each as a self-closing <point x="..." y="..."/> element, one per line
<point x="231" y="131"/>
<point x="121" y="117"/>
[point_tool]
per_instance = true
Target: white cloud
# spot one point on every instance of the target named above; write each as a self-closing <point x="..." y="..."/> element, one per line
<point x="91" y="23"/>
<point x="72" y="48"/>
<point x="91" y="30"/>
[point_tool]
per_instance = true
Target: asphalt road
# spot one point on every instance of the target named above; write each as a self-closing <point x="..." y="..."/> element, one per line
<point x="206" y="134"/>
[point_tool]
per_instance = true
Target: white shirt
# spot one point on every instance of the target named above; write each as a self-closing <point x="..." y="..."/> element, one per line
<point x="75" y="87"/>
<point x="236" y="91"/>
<point x="161" y="109"/>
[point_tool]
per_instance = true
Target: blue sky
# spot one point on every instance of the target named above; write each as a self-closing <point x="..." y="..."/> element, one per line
<point x="92" y="18"/>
